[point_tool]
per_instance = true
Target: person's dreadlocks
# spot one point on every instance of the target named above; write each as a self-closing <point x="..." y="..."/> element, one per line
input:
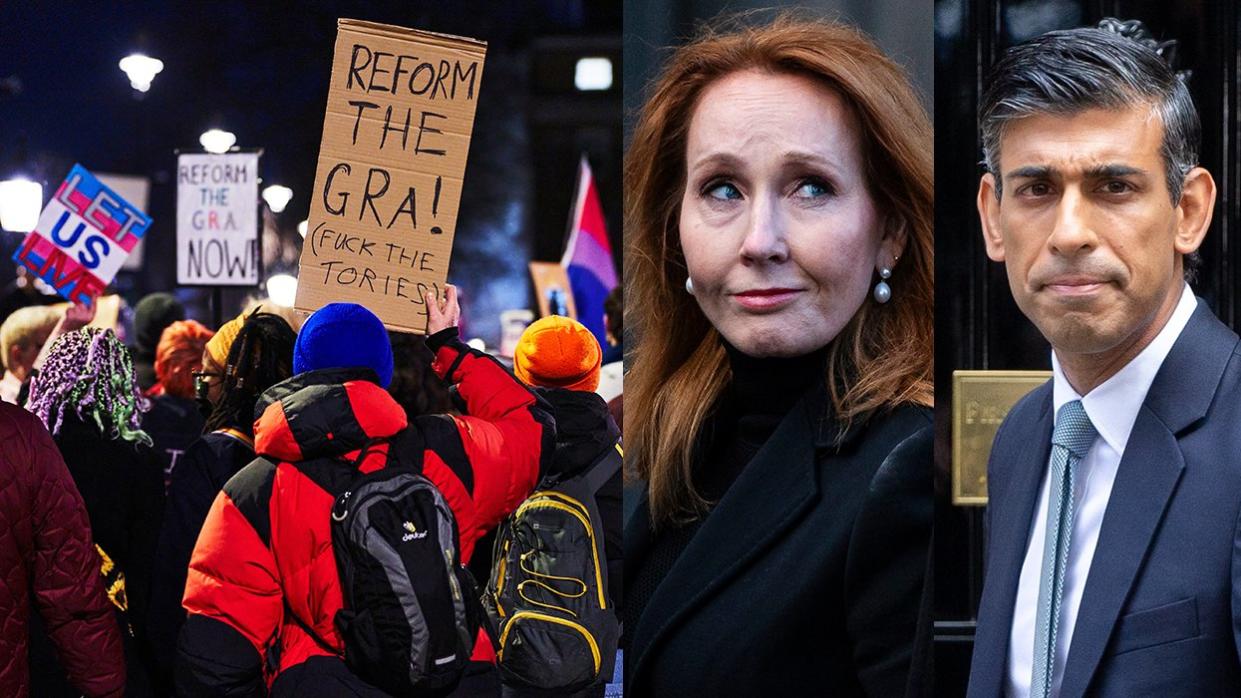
<point x="91" y="371"/>
<point x="260" y="357"/>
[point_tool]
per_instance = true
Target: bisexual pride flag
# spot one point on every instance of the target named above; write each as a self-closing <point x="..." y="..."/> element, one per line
<point x="588" y="256"/>
<point x="82" y="238"/>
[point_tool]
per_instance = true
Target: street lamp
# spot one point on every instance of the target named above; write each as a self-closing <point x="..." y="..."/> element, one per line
<point x="593" y="73"/>
<point x="277" y="197"/>
<point x="20" y="203"/>
<point x="302" y="228"/>
<point x="282" y="290"/>
<point x="141" y="70"/>
<point x="217" y="141"/>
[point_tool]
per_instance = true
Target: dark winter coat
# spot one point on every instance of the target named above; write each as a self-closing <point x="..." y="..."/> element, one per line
<point x="199" y="476"/>
<point x="267" y="539"/>
<point x="173" y="423"/>
<point x="47" y="555"/>
<point x="122" y="484"/>
<point x="806" y="578"/>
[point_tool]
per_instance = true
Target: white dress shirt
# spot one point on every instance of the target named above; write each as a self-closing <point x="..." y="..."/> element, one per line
<point x="1112" y="407"/>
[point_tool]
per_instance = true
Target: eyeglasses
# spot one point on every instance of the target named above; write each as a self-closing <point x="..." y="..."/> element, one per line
<point x="202" y="382"/>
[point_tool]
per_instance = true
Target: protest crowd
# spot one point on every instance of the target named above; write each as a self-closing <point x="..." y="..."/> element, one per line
<point x="325" y="488"/>
<point x="333" y="509"/>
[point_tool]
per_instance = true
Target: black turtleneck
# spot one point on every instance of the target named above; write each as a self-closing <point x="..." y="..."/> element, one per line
<point x="762" y="391"/>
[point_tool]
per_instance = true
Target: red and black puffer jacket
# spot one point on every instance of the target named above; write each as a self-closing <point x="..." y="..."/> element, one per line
<point x="267" y="540"/>
<point x="47" y="554"/>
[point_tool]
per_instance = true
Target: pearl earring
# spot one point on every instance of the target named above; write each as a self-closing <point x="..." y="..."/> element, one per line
<point x="689" y="286"/>
<point x="883" y="292"/>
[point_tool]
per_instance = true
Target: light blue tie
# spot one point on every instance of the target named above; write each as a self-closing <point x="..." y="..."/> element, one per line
<point x="1069" y="443"/>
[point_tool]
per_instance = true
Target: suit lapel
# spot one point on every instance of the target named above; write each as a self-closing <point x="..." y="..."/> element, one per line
<point x="1146" y="480"/>
<point x="770" y="496"/>
<point x="1024" y="456"/>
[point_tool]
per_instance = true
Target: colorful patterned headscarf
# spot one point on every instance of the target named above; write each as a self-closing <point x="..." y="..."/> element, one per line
<point x="91" y="371"/>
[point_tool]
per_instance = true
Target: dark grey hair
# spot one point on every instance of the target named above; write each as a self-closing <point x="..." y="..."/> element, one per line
<point x="1066" y="72"/>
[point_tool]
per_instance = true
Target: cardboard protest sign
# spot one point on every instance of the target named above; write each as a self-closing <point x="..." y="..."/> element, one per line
<point x="82" y="238"/>
<point x="555" y="293"/>
<point x="396" y="134"/>
<point x="217" y="219"/>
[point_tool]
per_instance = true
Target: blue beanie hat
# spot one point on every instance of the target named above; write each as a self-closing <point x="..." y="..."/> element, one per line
<point x="344" y="335"/>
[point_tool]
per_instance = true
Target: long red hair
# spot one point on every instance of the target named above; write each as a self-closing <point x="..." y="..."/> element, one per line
<point x="881" y="359"/>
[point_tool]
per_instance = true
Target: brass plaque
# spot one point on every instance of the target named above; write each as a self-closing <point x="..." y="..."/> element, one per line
<point x="980" y="401"/>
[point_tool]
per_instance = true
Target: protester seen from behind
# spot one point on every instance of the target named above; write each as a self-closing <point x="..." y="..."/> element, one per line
<point x="174" y="421"/>
<point x="87" y="395"/>
<point x="48" y="565"/>
<point x="256" y="351"/>
<point x="153" y="314"/>
<point x="552" y="572"/>
<point x="611" y="374"/>
<point x="264" y="588"/>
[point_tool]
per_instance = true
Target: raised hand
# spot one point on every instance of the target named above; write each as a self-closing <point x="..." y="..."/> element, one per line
<point x="77" y="317"/>
<point x="442" y="314"/>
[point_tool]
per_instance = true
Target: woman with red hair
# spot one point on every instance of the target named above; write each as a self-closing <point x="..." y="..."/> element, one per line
<point x="177" y="356"/>
<point x="175" y="421"/>
<point x="778" y="222"/>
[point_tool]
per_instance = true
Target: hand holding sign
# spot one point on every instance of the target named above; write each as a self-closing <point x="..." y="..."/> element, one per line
<point x="78" y="316"/>
<point x="442" y="314"/>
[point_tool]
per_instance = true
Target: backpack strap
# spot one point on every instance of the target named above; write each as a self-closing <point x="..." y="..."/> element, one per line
<point x="405" y="449"/>
<point x="236" y="434"/>
<point x="604" y="468"/>
<point x="336" y="474"/>
<point x="368" y="447"/>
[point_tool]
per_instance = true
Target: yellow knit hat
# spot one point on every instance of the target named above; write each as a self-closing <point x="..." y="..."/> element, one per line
<point x="222" y="342"/>
<point x="558" y="352"/>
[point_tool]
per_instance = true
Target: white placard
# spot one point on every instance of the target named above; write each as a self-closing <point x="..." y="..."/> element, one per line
<point x="217" y="219"/>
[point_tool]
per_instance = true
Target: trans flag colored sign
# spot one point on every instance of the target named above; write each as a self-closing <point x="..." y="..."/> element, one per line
<point x="82" y="238"/>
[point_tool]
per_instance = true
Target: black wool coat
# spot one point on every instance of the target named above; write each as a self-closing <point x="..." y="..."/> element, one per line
<point x="806" y="578"/>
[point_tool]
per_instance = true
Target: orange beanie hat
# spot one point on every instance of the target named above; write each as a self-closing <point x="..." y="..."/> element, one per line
<point x="558" y="352"/>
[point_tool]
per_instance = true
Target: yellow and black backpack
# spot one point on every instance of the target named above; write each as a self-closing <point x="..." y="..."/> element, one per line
<point x="548" y="592"/>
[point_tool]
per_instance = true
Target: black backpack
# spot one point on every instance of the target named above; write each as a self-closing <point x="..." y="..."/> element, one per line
<point x="548" y="592"/>
<point x="411" y="610"/>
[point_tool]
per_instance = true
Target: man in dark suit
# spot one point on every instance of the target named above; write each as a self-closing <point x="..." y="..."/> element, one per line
<point x="1114" y="547"/>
